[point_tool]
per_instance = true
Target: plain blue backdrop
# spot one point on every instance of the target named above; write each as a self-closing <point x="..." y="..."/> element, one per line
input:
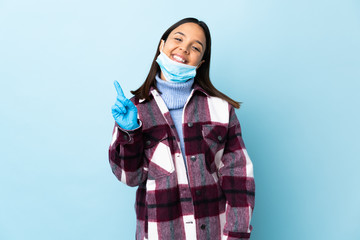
<point x="294" y="64"/>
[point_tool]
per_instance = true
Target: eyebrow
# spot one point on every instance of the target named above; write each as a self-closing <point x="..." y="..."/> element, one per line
<point x="185" y="36"/>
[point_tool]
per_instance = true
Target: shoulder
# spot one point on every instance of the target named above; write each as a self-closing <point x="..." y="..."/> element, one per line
<point x="219" y="109"/>
<point x="213" y="101"/>
<point x="218" y="102"/>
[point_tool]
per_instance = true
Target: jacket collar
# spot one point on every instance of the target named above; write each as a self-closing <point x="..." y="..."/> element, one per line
<point x="196" y="88"/>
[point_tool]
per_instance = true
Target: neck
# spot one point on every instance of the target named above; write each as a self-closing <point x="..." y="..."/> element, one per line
<point x="174" y="94"/>
<point x="162" y="76"/>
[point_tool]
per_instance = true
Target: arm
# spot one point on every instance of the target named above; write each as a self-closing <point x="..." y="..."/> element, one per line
<point x="126" y="155"/>
<point x="237" y="181"/>
<point x="126" y="148"/>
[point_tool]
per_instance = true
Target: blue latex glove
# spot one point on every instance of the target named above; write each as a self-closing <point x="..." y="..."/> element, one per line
<point x="124" y="111"/>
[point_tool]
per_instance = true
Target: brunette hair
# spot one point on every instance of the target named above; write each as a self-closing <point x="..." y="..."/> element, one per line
<point x="202" y="73"/>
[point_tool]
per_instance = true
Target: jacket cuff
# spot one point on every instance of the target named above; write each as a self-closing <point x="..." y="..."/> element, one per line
<point x="129" y="136"/>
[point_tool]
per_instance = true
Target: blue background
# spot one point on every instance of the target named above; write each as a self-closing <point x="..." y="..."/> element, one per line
<point x="294" y="64"/>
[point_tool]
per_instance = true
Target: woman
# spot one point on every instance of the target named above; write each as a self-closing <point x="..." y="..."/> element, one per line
<point x="179" y="140"/>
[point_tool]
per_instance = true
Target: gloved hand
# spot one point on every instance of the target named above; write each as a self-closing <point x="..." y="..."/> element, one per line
<point x="124" y="111"/>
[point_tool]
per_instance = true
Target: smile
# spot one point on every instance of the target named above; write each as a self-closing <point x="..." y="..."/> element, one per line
<point x="178" y="58"/>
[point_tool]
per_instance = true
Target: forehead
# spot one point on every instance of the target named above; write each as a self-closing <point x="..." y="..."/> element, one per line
<point x="191" y="30"/>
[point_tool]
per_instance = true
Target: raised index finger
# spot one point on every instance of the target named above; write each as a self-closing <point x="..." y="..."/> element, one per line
<point x="119" y="90"/>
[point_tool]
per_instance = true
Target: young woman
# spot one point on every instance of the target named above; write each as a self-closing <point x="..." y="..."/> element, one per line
<point x="179" y="140"/>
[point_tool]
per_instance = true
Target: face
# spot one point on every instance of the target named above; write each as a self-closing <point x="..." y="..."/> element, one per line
<point x="185" y="44"/>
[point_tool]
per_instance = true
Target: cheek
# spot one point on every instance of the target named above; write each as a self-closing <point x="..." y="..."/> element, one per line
<point x="169" y="46"/>
<point x="167" y="50"/>
<point x="196" y="60"/>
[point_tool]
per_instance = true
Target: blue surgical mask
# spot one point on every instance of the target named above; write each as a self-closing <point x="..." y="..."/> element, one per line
<point x="174" y="71"/>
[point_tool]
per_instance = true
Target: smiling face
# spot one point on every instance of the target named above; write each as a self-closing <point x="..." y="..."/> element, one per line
<point x="185" y="44"/>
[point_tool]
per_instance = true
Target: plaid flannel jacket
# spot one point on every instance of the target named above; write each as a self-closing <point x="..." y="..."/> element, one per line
<point x="215" y="200"/>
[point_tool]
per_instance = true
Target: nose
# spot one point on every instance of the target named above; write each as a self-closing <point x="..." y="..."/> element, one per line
<point x="185" y="48"/>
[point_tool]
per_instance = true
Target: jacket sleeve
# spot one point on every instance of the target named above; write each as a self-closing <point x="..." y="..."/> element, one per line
<point x="237" y="182"/>
<point x="126" y="155"/>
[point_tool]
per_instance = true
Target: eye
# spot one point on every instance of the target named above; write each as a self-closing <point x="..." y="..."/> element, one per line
<point x="196" y="49"/>
<point x="178" y="39"/>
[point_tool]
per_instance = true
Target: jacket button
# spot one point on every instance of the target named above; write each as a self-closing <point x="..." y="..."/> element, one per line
<point x="202" y="226"/>
<point x="190" y="124"/>
<point x="193" y="158"/>
<point x="148" y="142"/>
<point x="198" y="192"/>
<point x="125" y="137"/>
<point x="219" y="138"/>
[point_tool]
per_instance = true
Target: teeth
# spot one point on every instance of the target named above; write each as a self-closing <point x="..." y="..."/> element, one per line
<point x="179" y="58"/>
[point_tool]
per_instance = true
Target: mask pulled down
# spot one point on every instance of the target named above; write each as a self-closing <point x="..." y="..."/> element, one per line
<point x="174" y="71"/>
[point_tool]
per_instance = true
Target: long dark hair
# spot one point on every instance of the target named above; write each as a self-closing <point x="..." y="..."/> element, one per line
<point x="202" y="73"/>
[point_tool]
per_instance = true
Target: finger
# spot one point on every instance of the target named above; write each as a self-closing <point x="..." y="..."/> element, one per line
<point x="119" y="90"/>
<point x="128" y="104"/>
<point x="121" y="106"/>
<point x="116" y="110"/>
<point x="121" y="99"/>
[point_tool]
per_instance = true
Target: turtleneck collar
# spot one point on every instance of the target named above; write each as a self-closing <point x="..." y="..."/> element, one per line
<point x="174" y="94"/>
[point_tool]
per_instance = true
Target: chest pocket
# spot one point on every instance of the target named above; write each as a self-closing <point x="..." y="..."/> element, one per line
<point x="158" y="153"/>
<point x="214" y="139"/>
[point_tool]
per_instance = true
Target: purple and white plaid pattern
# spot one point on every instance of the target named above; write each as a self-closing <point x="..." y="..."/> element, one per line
<point x="215" y="200"/>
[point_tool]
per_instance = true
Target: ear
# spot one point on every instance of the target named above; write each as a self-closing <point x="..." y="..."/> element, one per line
<point x="161" y="46"/>
<point x="200" y="64"/>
